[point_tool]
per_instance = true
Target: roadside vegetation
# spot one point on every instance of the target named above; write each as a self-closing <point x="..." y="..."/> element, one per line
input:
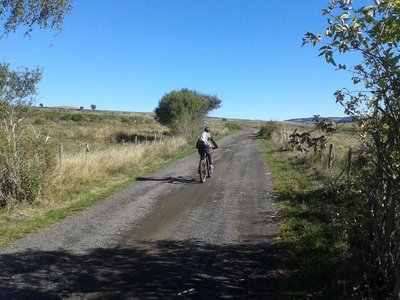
<point x="312" y="238"/>
<point x="341" y="231"/>
<point x="370" y="34"/>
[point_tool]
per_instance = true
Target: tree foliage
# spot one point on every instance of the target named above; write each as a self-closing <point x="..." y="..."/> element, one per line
<point x="305" y="141"/>
<point x="183" y="110"/>
<point x="373" y="33"/>
<point x="47" y="14"/>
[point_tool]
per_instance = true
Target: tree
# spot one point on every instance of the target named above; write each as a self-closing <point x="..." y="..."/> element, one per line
<point x="93" y="106"/>
<point x="47" y="14"/>
<point x="373" y="34"/>
<point x="25" y="158"/>
<point x="182" y="111"/>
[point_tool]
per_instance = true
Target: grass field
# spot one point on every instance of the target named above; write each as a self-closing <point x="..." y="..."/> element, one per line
<point x="74" y="128"/>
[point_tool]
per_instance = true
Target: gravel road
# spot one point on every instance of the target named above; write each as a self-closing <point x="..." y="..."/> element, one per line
<point x="167" y="236"/>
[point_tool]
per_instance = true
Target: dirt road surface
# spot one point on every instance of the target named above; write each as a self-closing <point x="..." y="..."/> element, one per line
<point x="167" y="236"/>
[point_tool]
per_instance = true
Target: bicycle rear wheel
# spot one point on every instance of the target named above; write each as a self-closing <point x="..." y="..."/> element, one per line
<point x="203" y="170"/>
<point x="209" y="170"/>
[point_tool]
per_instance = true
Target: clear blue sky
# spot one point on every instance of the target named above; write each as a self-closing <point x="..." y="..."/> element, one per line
<point x="126" y="54"/>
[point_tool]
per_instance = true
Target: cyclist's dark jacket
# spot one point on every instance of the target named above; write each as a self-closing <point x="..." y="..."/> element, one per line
<point x="206" y="141"/>
<point x="204" y="144"/>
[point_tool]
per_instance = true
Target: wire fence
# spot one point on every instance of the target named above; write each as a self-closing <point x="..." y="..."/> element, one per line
<point x="130" y="141"/>
<point x="283" y="138"/>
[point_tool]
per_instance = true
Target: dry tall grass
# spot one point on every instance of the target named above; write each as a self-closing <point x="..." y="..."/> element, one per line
<point x="129" y="159"/>
<point x="83" y="178"/>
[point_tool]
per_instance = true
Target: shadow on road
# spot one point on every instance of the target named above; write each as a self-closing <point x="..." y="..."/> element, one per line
<point x="150" y="270"/>
<point x="174" y="180"/>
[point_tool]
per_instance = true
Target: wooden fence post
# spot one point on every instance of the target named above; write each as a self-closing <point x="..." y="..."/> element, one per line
<point x="155" y="136"/>
<point x="87" y="147"/>
<point x="136" y="140"/>
<point x="60" y="153"/>
<point x="349" y="158"/>
<point x="331" y="157"/>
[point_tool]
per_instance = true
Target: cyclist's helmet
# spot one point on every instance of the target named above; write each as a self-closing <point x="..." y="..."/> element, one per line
<point x="207" y="129"/>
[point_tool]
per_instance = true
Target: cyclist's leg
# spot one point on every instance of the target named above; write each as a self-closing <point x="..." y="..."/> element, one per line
<point x="208" y="152"/>
<point x="202" y="153"/>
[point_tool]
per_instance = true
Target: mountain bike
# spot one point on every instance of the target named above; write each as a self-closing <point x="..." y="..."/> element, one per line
<point x="204" y="168"/>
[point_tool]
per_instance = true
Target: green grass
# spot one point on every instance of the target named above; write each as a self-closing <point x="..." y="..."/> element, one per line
<point x="311" y="246"/>
<point x="17" y="228"/>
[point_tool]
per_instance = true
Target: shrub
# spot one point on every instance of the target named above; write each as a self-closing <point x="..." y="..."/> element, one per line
<point x="26" y="162"/>
<point x="269" y="128"/>
<point x="234" y="126"/>
<point x="182" y="111"/>
<point x="25" y="158"/>
<point x="77" y="117"/>
<point x="125" y="119"/>
<point x="38" y="121"/>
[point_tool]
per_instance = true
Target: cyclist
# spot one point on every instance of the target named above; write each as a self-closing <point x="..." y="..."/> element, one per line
<point x="205" y="143"/>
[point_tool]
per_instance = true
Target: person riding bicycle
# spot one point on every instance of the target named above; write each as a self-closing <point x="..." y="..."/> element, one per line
<point x="205" y="143"/>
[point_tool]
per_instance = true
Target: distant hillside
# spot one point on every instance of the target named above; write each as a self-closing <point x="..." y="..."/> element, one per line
<point x="310" y="120"/>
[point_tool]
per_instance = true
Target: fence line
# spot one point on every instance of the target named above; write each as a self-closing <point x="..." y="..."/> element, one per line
<point x="282" y="138"/>
<point x="87" y="148"/>
<point x="60" y="153"/>
<point x="349" y="158"/>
